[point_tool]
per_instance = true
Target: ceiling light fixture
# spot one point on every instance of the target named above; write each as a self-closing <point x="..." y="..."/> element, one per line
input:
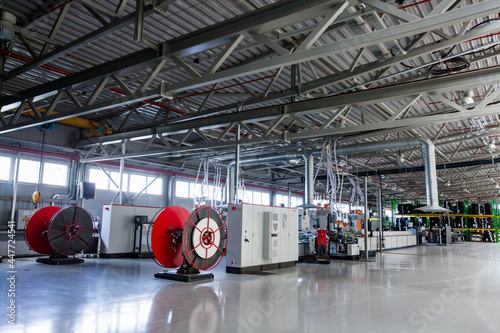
<point x="491" y="146"/>
<point x="401" y="159"/>
<point x="467" y="97"/>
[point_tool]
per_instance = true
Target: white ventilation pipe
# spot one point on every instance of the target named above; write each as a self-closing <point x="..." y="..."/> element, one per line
<point x="309" y="182"/>
<point x="429" y="159"/>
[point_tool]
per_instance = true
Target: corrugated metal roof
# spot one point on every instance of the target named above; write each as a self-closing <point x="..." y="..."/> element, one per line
<point x="185" y="17"/>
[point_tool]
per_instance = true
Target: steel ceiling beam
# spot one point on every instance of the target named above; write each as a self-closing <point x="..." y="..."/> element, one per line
<point x="306" y="107"/>
<point x="78" y="43"/>
<point x="415" y="27"/>
<point x="439" y="84"/>
<point x="360" y="70"/>
<point x="261" y="20"/>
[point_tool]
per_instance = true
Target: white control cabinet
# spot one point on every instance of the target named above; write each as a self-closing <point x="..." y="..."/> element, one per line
<point x="261" y="237"/>
<point x="118" y="228"/>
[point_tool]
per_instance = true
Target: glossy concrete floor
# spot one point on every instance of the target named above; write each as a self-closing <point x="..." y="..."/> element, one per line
<point x="424" y="289"/>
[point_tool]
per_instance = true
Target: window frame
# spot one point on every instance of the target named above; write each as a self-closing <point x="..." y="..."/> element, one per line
<point x="68" y="171"/>
<point x="9" y="173"/>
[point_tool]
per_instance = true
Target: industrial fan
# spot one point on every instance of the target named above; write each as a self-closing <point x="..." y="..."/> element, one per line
<point x="61" y="233"/>
<point x="191" y="242"/>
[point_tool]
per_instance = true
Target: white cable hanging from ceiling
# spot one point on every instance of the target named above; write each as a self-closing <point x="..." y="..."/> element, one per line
<point x="202" y="190"/>
<point x="242" y="191"/>
<point x="330" y="164"/>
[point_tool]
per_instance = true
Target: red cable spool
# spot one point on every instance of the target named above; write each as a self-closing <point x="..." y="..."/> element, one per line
<point x="36" y="230"/>
<point x="166" y="249"/>
<point x="197" y="240"/>
<point x="65" y="231"/>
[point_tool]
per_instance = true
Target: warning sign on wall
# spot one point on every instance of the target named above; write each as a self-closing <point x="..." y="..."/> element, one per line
<point x="22" y="218"/>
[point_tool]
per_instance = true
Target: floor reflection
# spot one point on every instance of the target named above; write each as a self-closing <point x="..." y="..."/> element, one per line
<point x="199" y="305"/>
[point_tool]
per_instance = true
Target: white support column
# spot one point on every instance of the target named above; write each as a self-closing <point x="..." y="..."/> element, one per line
<point x="122" y="166"/>
<point x="366" y="217"/>
<point x="236" y="166"/>
<point x="14" y="194"/>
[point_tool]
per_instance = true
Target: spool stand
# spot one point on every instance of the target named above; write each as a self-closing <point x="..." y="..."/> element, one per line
<point x="185" y="273"/>
<point x="59" y="259"/>
<point x="61" y="233"/>
<point x="195" y="242"/>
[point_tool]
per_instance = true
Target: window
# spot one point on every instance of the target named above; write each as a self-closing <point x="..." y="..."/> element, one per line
<point x="5" y="163"/>
<point x="28" y="171"/>
<point x="156" y="187"/>
<point x="182" y="189"/>
<point x="137" y="183"/>
<point x="116" y="178"/>
<point x="257" y="197"/>
<point x="194" y="190"/>
<point x="297" y="201"/>
<point x="245" y="196"/>
<point x="266" y="198"/>
<point x="99" y="178"/>
<point x="281" y="199"/>
<point x="55" y="174"/>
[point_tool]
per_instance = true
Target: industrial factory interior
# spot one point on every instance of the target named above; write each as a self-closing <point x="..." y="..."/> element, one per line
<point x="249" y="166"/>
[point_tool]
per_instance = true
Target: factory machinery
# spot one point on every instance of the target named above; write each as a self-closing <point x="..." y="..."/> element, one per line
<point x="175" y="238"/>
<point x="326" y="236"/>
<point x="61" y="233"/>
<point x="190" y="242"/>
<point x="262" y="238"/>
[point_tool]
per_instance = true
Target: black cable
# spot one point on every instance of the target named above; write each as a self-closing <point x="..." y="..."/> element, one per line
<point x="484" y="22"/>
<point x="457" y="64"/>
<point x="451" y="50"/>
<point x="407" y="66"/>
<point x="461" y="62"/>
<point x="481" y="51"/>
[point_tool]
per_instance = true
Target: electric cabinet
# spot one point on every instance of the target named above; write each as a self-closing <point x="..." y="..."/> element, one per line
<point x="261" y="237"/>
<point x="118" y="228"/>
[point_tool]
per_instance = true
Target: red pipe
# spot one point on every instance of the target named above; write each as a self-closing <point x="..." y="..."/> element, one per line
<point x="490" y="35"/>
<point x="26" y="59"/>
<point x="36" y="152"/>
<point x="414" y="4"/>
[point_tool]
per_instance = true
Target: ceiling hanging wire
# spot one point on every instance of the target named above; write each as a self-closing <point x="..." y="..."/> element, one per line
<point x="36" y="194"/>
<point x="203" y="192"/>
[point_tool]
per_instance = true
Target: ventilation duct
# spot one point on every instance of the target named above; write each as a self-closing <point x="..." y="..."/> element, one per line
<point x="429" y="159"/>
<point x="7" y="21"/>
<point x="309" y="182"/>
